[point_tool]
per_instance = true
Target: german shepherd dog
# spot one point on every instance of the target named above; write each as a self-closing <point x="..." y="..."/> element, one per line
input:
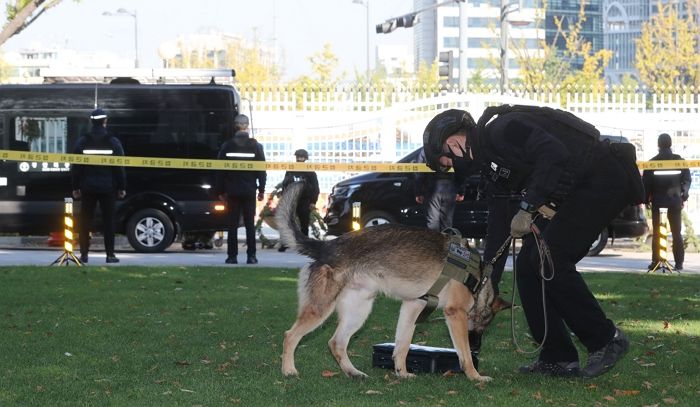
<point x="347" y="273"/>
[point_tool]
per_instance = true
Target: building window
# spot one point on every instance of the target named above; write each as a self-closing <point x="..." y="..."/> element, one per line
<point x="450" y="42"/>
<point x="450" y="21"/>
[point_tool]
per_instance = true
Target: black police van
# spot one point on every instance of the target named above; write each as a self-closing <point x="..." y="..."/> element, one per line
<point x="390" y="198"/>
<point x="153" y="120"/>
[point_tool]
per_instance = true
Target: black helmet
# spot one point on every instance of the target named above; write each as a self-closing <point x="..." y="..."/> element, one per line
<point x="439" y="129"/>
<point x="301" y="153"/>
<point x="98" y="114"/>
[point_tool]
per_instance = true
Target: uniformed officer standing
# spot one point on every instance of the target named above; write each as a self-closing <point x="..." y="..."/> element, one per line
<point x="667" y="189"/>
<point x="94" y="184"/>
<point x="309" y="194"/>
<point x="237" y="188"/>
<point x="589" y="181"/>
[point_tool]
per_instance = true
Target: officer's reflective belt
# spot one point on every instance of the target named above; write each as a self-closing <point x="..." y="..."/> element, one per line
<point x="462" y="264"/>
<point x="241" y="165"/>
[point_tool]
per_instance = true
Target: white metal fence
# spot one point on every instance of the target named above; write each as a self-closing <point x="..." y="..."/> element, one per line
<point x="384" y="124"/>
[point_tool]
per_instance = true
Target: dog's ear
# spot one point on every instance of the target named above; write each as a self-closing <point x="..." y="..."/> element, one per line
<point x="499" y="304"/>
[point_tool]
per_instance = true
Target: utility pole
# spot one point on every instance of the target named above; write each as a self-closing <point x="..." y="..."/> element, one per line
<point x="365" y="3"/>
<point x="463" y="46"/>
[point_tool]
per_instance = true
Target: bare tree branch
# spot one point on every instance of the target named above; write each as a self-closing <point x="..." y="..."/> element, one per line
<point x="25" y="16"/>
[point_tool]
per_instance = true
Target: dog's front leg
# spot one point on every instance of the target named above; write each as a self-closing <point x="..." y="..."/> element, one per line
<point x="410" y="309"/>
<point x="456" y="316"/>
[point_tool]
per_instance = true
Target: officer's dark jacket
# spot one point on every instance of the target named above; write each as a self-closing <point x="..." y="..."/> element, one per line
<point x="94" y="178"/>
<point x="526" y="155"/>
<point x="241" y="183"/>
<point x="425" y="182"/>
<point x="666" y="188"/>
<point x="310" y="192"/>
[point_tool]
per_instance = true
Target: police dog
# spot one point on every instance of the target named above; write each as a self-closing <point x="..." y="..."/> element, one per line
<point x="347" y="273"/>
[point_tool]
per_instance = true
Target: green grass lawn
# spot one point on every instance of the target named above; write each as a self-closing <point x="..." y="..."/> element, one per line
<point x="213" y="336"/>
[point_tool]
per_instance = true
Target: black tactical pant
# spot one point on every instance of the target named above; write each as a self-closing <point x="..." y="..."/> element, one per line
<point x="241" y="206"/>
<point x="88" y="204"/>
<point x="304" y="215"/>
<point x="674" y="222"/>
<point x="440" y="205"/>
<point x="594" y="201"/>
<point x="497" y="231"/>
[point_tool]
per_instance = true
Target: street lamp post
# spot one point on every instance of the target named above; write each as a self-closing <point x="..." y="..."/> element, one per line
<point x="125" y="12"/>
<point x="365" y="3"/>
<point x="506" y="8"/>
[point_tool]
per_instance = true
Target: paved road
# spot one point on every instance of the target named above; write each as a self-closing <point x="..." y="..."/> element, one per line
<point x="616" y="260"/>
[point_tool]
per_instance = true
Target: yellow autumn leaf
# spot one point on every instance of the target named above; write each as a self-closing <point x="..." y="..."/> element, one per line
<point x="328" y="373"/>
<point x="619" y="393"/>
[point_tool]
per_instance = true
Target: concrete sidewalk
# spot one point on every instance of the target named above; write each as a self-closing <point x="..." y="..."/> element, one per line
<point x="612" y="260"/>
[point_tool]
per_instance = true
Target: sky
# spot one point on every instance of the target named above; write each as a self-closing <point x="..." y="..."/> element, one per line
<point x="298" y="28"/>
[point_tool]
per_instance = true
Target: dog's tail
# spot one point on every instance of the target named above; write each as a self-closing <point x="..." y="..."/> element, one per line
<point x="286" y="219"/>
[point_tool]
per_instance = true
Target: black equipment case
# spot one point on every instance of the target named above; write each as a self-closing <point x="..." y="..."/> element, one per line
<point x="420" y="359"/>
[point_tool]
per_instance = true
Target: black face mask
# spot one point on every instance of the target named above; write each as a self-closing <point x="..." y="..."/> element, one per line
<point x="464" y="165"/>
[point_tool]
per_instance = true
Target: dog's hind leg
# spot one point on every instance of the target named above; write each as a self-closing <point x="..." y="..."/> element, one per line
<point x="353" y="308"/>
<point x="457" y="318"/>
<point x="405" y="328"/>
<point x="317" y="297"/>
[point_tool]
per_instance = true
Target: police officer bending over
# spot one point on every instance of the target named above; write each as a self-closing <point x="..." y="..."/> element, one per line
<point x="95" y="184"/>
<point x="558" y="163"/>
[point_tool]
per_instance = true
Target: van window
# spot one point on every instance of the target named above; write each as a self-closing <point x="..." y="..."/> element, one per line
<point x="41" y="134"/>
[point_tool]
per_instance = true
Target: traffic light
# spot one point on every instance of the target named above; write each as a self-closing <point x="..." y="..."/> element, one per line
<point x="386" y="27"/>
<point x="407" y="21"/>
<point x="445" y="68"/>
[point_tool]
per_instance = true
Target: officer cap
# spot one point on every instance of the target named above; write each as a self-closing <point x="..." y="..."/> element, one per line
<point x="301" y="153"/>
<point x="439" y="129"/>
<point x="664" y="141"/>
<point x="241" y="120"/>
<point x="98" y="114"/>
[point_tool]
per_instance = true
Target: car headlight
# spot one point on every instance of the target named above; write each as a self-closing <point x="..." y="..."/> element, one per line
<point x="344" y="191"/>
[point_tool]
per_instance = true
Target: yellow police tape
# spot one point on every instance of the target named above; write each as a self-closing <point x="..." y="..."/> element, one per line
<point x="236" y="165"/>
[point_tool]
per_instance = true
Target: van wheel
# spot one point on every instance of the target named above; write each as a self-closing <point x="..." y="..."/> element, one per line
<point x="374" y="218"/>
<point x="599" y="244"/>
<point x="150" y="231"/>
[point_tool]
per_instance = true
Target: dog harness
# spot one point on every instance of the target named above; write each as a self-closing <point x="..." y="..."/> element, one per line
<point x="463" y="263"/>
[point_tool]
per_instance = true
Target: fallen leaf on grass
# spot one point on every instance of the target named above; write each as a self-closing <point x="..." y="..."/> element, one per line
<point x="186" y="391"/>
<point x="647" y="385"/>
<point x="592" y="386"/>
<point x="619" y="393"/>
<point x="609" y="398"/>
<point x="666" y="324"/>
<point x="182" y="363"/>
<point x="373" y="392"/>
<point x="449" y="373"/>
<point x="328" y="373"/>
<point x="452" y="392"/>
<point x="537" y="396"/>
<point x="670" y="400"/>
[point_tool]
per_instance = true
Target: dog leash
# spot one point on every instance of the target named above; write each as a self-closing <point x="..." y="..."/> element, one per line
<point x="544" y="254"/>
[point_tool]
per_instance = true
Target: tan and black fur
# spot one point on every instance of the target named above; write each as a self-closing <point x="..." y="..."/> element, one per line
<point x="347" y="273"/>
